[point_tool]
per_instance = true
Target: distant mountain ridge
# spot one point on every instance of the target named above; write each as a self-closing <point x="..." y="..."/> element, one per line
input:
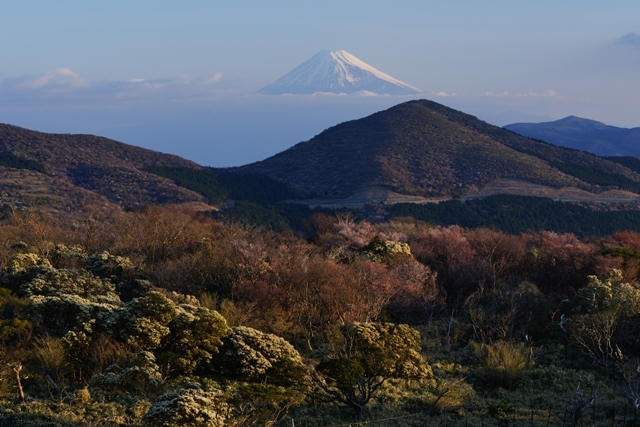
<point x="422" y="148"/>
<point x="584" y="134"/>
<point x="337" y="72"/>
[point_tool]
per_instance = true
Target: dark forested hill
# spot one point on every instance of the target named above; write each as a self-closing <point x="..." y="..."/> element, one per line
<point x="583" y="134"/>
<point x="425" y="149"/>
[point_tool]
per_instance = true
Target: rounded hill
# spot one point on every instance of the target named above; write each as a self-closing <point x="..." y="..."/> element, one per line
<point x="422" y="148"/>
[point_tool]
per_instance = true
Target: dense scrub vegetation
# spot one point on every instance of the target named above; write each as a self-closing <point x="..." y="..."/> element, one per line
<point x="519" y="214"/>
<point x="219" y="185"/>
<point x="272" y="216"/>
<point x="630" y="162"/>
<point x="165" y="317"/>
<point x="10" y="160"/>
<point x="245" y="198"/>
<point x="508" y="213"/>
<point x="599" y="177"/>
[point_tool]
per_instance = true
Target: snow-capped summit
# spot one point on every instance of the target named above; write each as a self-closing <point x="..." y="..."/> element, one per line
<point x="337" y="71"/>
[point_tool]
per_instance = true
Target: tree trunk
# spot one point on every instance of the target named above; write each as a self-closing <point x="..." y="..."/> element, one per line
<point x="16" y="369"/>
<point x="358" y="411"/>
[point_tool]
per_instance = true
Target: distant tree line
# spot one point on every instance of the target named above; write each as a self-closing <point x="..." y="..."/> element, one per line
<point x="273" y="216"/>
<point x="507" y="213"/>
<point x="518" y="214"/>
<point x="219" y="185"/>
<point x="630" y="162"/>
<point x="256" y="202"/>
<point x="598" y="177"/>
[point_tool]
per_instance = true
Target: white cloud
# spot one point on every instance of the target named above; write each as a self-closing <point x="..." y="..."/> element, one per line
<point x="184" y="79"/>
<point x="213" y="79"/>
<point x="549" y="93"/>
<point x="443" y="94"/>
<point x="318" y="94"/>
<point x="365" y="93"/>
<point x="62" y="77"/>
<point x="63" y="85"/>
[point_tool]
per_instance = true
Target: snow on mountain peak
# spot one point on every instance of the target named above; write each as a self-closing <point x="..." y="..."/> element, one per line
<point x="337" y="71"/>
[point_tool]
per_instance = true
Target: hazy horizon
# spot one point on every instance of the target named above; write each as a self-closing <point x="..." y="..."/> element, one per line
<point x="181" y="78"/>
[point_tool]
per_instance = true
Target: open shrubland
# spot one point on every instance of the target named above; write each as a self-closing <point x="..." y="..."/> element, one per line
<point x="166" y="317"/>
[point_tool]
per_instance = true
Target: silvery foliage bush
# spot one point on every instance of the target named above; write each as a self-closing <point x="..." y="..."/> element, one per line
<point x="604" y="318"/>
<point x="63" y="256"/>
<point x="76" y="304"/>
<point x="195" y="335"/>
<point x="142" y="374"/>
<point x="143" y="322"/>
<point x="61" y="300"/>
<point x="48" y="281"/>
<point x="381" y="248"/>
<point x="248" y="354"/>
<point x="22" y="261"/>
<point x="188" y="408"/>
<point x="106" y="265"/>
<point x="608" y="292"/>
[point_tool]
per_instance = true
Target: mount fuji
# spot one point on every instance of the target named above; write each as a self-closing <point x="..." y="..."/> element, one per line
<point x="337" y="71"/>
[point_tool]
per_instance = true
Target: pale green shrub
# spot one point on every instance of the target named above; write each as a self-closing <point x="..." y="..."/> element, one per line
<point x="22" y="261"/>
<point x="82" y="397"/>
<point x="195" y="335"/>
<point x="380" y="249"/>
<point x="503" y="363"/>
<point x="451" y="394"/>
<point x="51" y="354"/>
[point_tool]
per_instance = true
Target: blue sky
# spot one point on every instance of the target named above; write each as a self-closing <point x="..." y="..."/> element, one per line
<point x="181" y="77"/>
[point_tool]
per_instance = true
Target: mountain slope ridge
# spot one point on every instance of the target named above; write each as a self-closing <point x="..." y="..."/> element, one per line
<point x="107" y="168"/>
<point x="422" y="148"/>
